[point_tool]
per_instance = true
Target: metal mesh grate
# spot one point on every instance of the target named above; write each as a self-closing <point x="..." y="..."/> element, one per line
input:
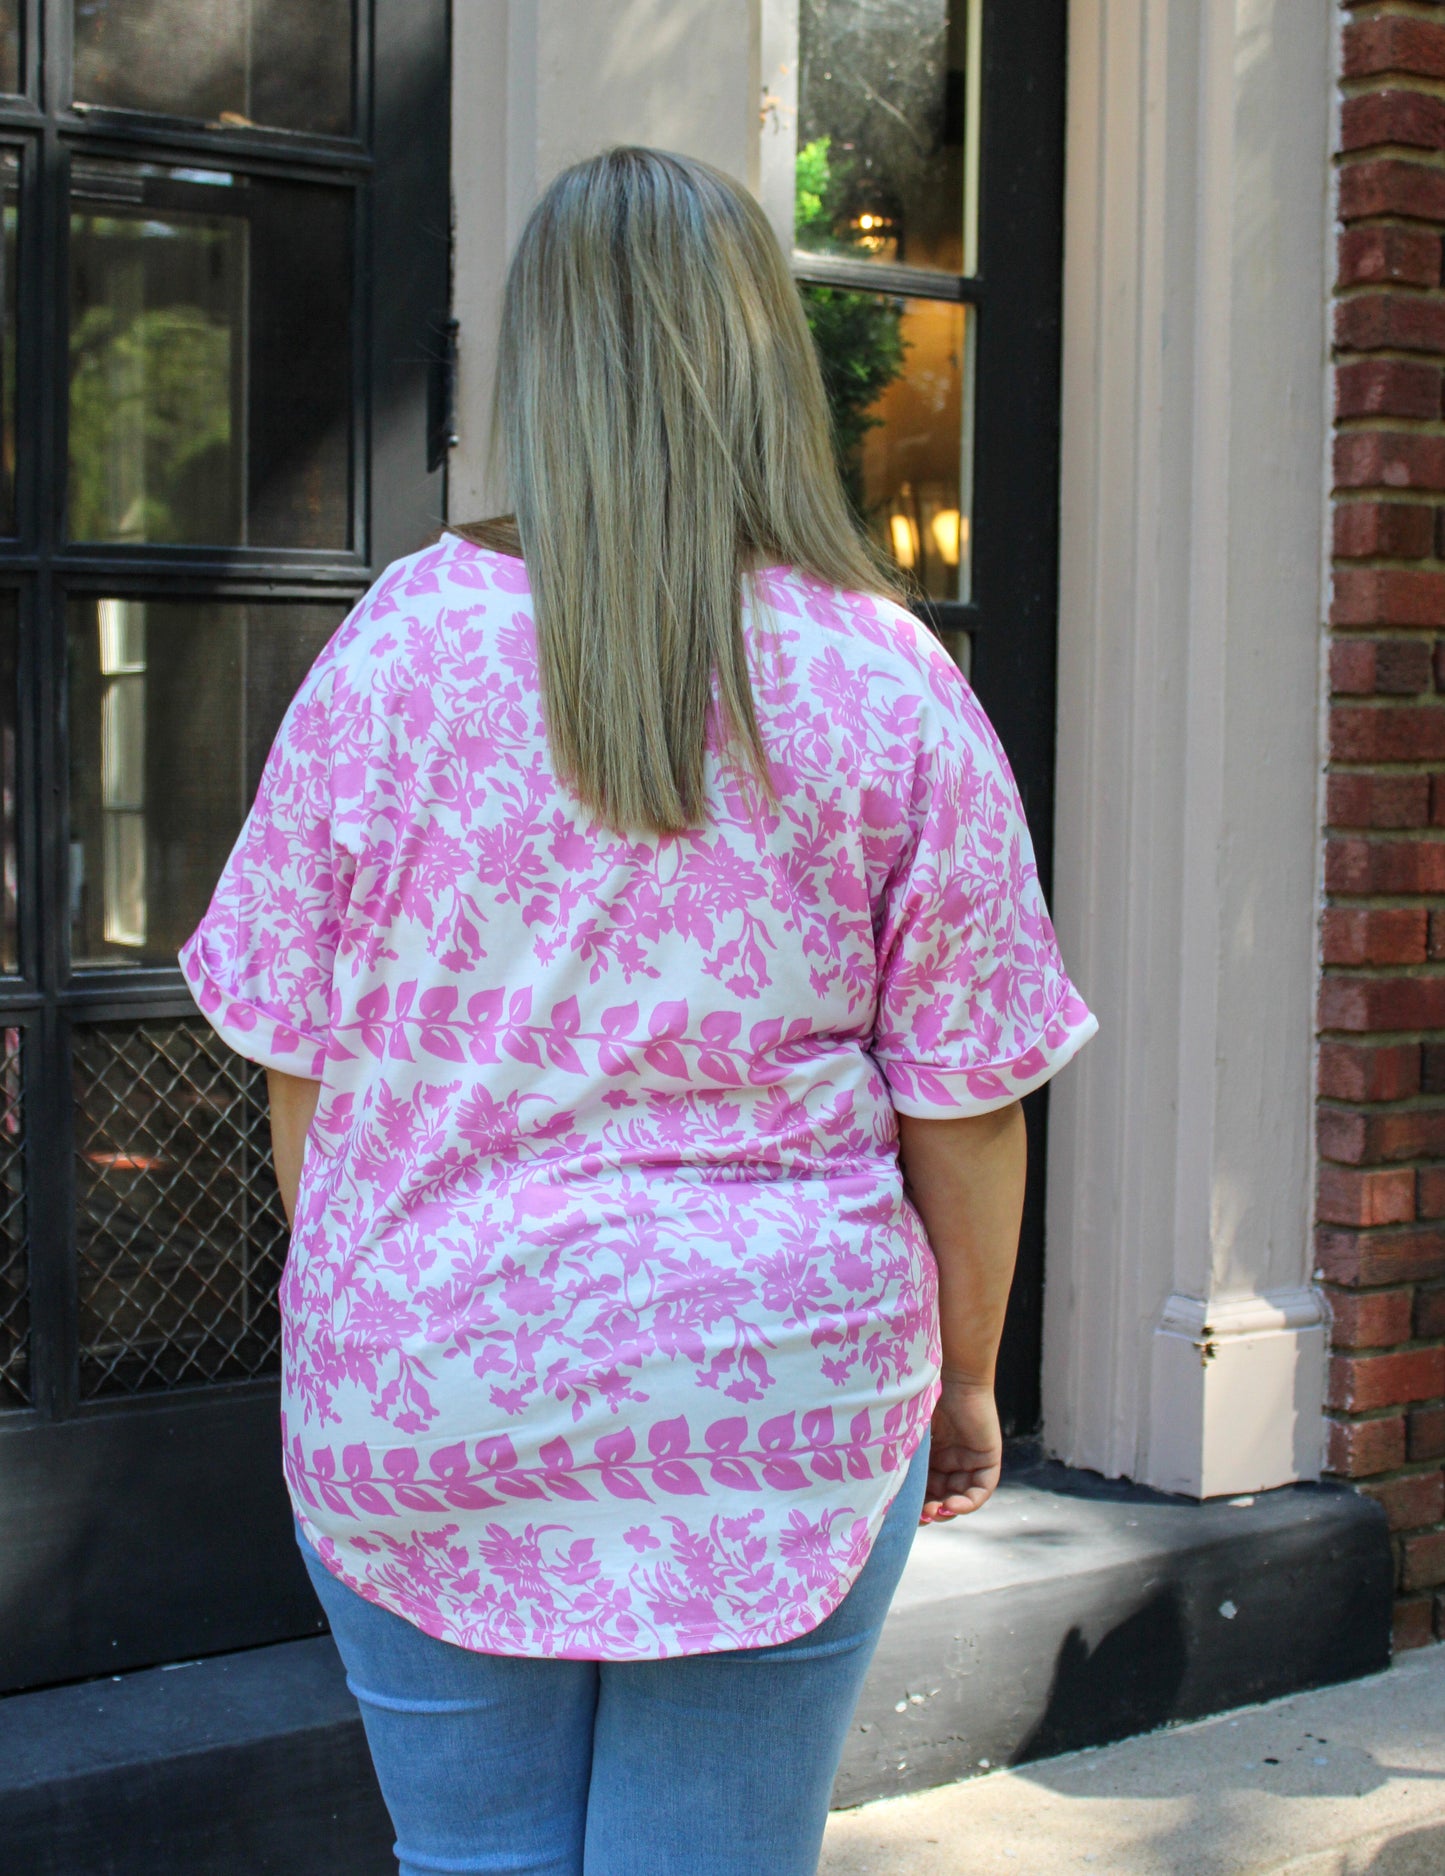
<point x="14" y="1248"/>
<point x="181" y="1235"/>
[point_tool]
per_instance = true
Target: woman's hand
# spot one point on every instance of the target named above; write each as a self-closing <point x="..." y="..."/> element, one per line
<point x="966" y="1455"/>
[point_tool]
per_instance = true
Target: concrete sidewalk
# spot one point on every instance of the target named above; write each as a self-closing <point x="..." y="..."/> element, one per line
<point x="1346" y="1781"/>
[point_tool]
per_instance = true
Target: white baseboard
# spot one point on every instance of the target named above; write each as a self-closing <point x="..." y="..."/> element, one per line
<point x="1235" y="1392"/>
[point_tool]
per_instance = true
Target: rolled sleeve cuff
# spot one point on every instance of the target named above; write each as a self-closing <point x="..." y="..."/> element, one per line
<point x="260" y="1034"/>
<point x="936" y="1091"/>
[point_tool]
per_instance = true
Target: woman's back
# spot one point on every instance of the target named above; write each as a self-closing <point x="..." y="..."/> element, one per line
<point x="602" y="1259"/>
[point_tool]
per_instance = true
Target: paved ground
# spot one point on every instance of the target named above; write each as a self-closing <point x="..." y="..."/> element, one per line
<point x="1349" y="1781"/>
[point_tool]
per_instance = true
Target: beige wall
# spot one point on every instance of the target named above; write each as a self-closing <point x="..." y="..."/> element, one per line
<point x="540" y="83"/>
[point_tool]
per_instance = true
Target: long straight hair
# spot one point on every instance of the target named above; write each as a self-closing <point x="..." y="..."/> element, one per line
<point x="663" y="430"/>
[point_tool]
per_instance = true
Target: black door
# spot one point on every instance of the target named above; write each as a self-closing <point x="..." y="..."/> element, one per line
<point x="929" y="247"/>
<point x="224" y="302"/>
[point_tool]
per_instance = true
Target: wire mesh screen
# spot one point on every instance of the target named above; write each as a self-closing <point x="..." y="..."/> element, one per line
<point x="14" y="1246"/>
<point x="181" y="1235"/>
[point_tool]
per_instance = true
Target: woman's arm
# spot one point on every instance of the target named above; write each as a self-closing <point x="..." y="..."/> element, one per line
<point x="293" y="1103"/>
<point x="966" y="1179"/>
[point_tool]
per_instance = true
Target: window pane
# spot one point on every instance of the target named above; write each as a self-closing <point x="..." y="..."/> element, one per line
<point x="899" y="379"/>
<point x="280" y="62"/>
<point x="884" y="138"/>
<point x="210" y="358"/>
<point x="173" y="705"/>
<point x="9" y="789"/>
<point x="180" y="1231"/>
<point x="10" y="211"/>
<point x="14" y="1249"/>
<point x="9" y="45"/>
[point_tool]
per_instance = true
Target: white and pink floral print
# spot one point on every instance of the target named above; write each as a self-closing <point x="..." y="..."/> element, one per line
<point x="607" y="1329"/>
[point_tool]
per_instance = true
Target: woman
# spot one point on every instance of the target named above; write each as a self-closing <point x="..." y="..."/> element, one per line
<point x="635" y="895"/>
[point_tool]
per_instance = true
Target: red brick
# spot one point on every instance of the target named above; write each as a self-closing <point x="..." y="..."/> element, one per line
<point x="1438" y="663"/>
<point x="1406" y="322"/>
<point x="1386" y="387"/>
<point x="1413" y="118"/>
<point x="1358" y="1449"/>
<point x="1387" y="596"/>
<point x="1382" y="1196"/>
<point x="1430" y="1193"/>
<point x="1411" y="1623"/>
<point x="1357" y="935"/>
<point x="1393" y="530"/>
<point x="1362" y="1259"/>
<point x="1440" y="1615"/>
<point x="1355" y="865"/>
<point x="1435" y="938"/>
<point x="1362" y="1004"/>
<point x="1405" y="1133"/>
<point x="1411" y="1503"/>
<point x="1352" y="1071"/>
<point x="1392" y="44"/>
<point x="1402" y="666"/>
<point x="1360" y="1382"/>
<point x="1370" y="1318"/>
<point x="1390" y="459"/>
<point x="1373" y="256"/>
<point x="1354" y="800"/>
<point x="1392" y="185"/>
<point x="1425" y="1435"/>
<point x="1429" y="1323"/>
<point x="1387" y="733"/>
<point x="1352" y="660"/>
<point x="1423" y="1561"/>
<point x="1437" y="800"/>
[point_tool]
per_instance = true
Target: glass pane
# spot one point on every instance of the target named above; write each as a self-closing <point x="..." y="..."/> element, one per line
<point x="180" y="1231"/>
<point x="210" y="358"/>
<point x="9" y="790"/>
<point x="173" y="705"/>
<point x="10" y="211"/>
<point x="280" y="62"/>
<point x="899" y="378"/>
<point x="9" y="45"/>
<point x="14" y="1249"/>
<point x="887" y="130"/>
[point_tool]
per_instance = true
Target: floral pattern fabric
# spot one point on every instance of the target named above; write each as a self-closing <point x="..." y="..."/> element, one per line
<point x="608" y="1331"/>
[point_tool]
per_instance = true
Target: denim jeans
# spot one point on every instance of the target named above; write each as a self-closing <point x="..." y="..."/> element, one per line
<point x="702" y="1765"/>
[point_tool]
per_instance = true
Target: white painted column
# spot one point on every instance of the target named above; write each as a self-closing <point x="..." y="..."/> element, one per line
<point x="1183" y="1341"/>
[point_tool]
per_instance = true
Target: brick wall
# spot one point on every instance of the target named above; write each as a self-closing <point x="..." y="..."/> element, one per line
<point x="1381" y="1116"/>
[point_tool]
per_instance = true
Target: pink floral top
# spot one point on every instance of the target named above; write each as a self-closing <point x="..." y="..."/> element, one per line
<point x="607" y="1329"/>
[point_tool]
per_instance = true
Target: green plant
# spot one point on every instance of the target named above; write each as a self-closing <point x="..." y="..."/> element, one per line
<point x="861" y="348"/>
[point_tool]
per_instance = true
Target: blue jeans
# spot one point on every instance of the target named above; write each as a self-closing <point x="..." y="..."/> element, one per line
<point x="703" y="1765"/>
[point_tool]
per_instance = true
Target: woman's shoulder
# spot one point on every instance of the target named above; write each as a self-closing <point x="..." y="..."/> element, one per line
<point x="868" y="633"/>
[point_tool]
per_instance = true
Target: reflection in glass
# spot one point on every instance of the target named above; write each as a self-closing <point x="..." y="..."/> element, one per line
<point x="10" y="212"/>
<point x="898" y="373"/>
<point x="209" y="358"/>
<point x="9" y="45"/>
<point x="173" y="705"/>
<point x="285" y="63"/>
<point x="9" y="803"/>
<point x="887" y="130"/>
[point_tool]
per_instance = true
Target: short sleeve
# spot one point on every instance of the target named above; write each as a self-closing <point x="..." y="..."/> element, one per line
<point x="260" y="963"/>
<point x="974" y="1008"/>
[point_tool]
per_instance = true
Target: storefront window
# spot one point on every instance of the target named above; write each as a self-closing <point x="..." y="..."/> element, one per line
<point x="10" y="210"/>
<point x="210" y="369"/>
<point x="286" y="63"/>
<point x="173" y="706"/>
<point x="886" y="187"/>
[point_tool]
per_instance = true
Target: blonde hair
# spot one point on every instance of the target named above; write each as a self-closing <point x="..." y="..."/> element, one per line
<point x="663" y="430"/>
